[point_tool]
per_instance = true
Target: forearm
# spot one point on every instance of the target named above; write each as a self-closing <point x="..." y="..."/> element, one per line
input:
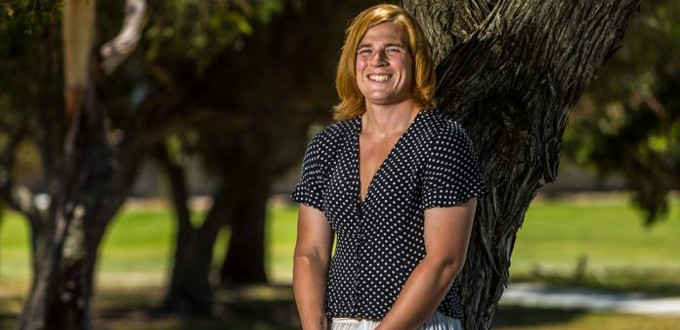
<point x="422" y="293"/>
<point x="309" y="288"/>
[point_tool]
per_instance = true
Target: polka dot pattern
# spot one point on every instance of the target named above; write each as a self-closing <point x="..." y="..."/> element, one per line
<point x="380" y="241"/>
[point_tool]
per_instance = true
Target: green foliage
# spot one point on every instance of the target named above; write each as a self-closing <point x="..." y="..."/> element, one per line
<point x="200" y="30"/>
<point x="30" y="16"/>
<point x="30" y="66"/>
<point x="628" y="122"/>
<point x="21" y="27"/>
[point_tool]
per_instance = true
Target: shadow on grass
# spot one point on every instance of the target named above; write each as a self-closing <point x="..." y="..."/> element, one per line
<point x="248" y="307"/>
<point x="251" y="307"/>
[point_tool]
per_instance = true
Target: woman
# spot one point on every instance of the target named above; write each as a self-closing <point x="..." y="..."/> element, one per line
<point x="395" y="183"/>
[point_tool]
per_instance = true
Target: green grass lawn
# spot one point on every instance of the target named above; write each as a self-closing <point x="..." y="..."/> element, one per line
<point x="621" y="254"/>
<point x="555" y="235"/>
<point x="138" y="246"/>
<point x="608" y="233"/>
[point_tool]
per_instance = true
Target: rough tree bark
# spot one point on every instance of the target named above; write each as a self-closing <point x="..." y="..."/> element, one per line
<point x="509" y="72"/>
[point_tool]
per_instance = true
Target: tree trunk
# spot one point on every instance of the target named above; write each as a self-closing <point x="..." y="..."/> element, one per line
<point x="510" y="78"/>
<point x="244" y="261"/>
<point x="87" y="187"/>
<point x="64" y="259"/>
<point x="66" y="242"/>
<point x="190" y="290"/>
<point x="187" y="292"/>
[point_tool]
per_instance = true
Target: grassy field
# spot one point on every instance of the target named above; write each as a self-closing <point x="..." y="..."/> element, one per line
<point x="610" y="233"/>
<point x="606" y="234"/>
<point x="608" y="237"/>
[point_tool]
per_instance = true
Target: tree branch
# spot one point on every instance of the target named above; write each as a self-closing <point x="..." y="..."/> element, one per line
<point x="120" y="47"/>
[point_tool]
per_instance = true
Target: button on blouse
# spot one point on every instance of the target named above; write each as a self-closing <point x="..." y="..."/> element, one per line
<point x="380" y="241"/>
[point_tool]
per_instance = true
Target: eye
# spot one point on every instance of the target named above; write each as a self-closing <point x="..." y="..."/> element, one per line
<point x="364" y="51"/>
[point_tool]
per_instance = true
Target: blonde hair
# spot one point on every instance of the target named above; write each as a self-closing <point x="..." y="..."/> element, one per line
<point x="351" y="100"/>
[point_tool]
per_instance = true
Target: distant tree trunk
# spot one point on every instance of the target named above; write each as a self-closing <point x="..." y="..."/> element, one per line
<point x="244" y="260"/>
<point x="185" y="292"/>
<point x="190" y="290"/>
<point x="509" y="72"/>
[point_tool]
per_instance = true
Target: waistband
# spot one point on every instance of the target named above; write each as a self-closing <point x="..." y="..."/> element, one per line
<point x="436" y="319"/>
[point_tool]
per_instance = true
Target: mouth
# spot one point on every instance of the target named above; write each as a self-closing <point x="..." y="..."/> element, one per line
<point x="379" y="77"/>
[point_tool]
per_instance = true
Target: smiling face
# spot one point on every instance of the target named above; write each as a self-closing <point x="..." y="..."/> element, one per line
<point x="384" y="67"/>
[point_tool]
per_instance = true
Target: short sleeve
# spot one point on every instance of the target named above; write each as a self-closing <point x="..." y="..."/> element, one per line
<point x="309" y="190"/>
<point x="452" y="174"/>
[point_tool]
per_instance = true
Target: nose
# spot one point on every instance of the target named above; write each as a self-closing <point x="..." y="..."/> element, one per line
<point x="379" y="58"/>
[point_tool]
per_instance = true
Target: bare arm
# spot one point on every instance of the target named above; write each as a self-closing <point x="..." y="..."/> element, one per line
<point x="310" y="267"/>
<point x="447" y="234"/>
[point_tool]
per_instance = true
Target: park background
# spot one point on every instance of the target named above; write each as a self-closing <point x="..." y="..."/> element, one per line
<point x="610" y="223"/>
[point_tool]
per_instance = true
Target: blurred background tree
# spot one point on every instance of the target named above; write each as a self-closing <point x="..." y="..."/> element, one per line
<point x="628" y="121"/>
<point x="253" y="104"/>
<point x="87" y="170"/>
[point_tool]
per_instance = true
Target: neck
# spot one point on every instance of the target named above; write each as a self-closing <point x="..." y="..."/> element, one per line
<point x="386" y="120"/>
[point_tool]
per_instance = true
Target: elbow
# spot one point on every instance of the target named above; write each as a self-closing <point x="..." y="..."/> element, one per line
<point x="306" y="258"/>
<point x="309" y="268"/>
<point x="453" y="268"/>
<point x="310" y="258"/>
<point x="449" y="267"/>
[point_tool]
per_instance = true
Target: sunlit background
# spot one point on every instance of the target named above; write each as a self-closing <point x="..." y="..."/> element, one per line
<point x="598" y="248"/>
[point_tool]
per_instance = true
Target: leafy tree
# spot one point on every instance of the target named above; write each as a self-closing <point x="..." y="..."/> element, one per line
<point x="628" y="122"/>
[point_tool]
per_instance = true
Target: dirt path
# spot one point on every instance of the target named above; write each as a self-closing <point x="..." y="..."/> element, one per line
<point x="537" y="295"/>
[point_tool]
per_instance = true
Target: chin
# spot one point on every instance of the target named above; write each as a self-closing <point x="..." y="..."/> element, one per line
<point x="380" y="98"/>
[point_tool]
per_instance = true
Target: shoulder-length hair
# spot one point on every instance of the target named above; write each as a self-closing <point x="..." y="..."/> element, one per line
<point x="352" y="102"/>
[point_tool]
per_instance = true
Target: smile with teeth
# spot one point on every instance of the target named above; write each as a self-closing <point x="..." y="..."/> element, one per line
<point x="379" y="77"/>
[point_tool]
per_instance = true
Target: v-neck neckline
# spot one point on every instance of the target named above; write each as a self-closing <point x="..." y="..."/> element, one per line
<point x="357" y="154"/>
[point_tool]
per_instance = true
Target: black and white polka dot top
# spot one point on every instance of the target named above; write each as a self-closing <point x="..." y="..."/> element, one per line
<point x="380" y="241"/>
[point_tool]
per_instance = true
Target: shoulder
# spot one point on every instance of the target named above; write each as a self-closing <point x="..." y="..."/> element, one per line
<point x="323" y="145"/>
<point x="439" y="129"/>
<point x="337" y="130"/>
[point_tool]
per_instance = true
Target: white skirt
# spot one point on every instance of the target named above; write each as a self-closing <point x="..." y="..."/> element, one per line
<point x="437" y="321"/>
